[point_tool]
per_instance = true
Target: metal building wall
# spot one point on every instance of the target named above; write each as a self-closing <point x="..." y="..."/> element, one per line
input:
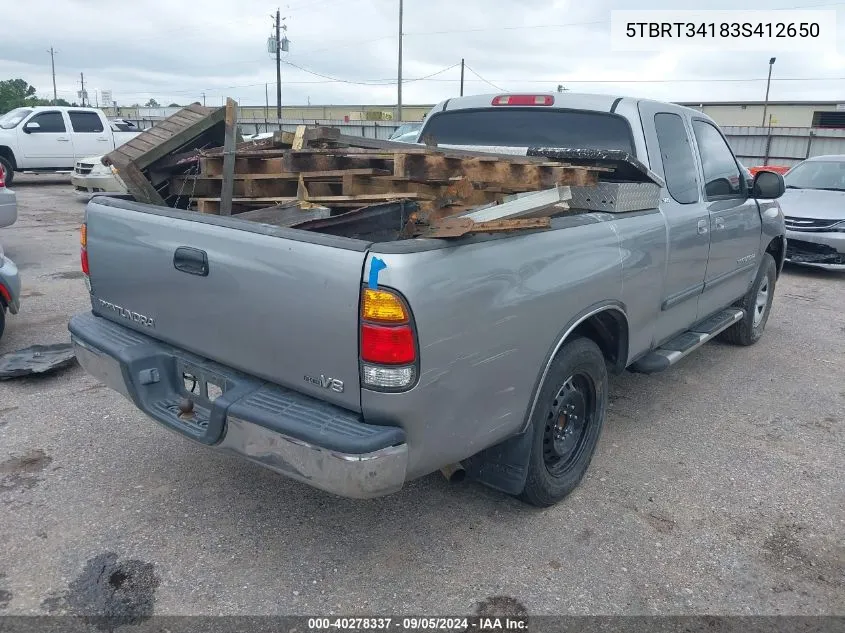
<point x="783" y="145"/>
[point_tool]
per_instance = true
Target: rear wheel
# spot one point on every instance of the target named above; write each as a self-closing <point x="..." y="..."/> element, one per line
<point x="757" y="305"/>
<point x="6" y="168"/>
<point x="2" y="318"/>
<point x="566" y="423"/>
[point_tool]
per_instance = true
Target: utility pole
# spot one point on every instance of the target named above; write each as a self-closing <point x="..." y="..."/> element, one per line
<point x="53" y="66"/>
<point x="462" y="76"/>
<point x="768" y="83"/>
<point x="203" y="99"/>
<point x="82" y="80"/>
<point x="399" y="82"/>
<point x="278" y="66"/>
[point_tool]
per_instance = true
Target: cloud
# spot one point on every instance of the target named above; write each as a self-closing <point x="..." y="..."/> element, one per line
<point x="173" y="52"/>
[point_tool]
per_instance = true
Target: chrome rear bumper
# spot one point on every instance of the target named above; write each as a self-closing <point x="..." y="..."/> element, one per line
<point x="360" y="475"/>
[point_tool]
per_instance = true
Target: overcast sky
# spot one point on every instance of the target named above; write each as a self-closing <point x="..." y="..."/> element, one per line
<point x="174" y="50"/>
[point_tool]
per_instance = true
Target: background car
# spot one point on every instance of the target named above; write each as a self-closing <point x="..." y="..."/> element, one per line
<point x="405" y="131"/>
<point x="90" y="177"/>
<point x="778" y="169"/>
<point x="123" y="125"/>
<point x="8" y="202"/>
<point x="10" y="285"/>
<point x="814" y="210"/>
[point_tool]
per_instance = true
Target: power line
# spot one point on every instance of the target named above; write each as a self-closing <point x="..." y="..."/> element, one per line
<point x="365" y="82"/>
<point x="388" y="82"/>
<point x="482" y="78"/>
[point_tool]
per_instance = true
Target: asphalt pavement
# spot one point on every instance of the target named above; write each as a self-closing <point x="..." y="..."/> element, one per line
<point x="717" y="488"/>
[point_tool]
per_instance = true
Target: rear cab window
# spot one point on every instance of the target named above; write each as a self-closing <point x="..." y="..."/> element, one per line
<point x="530" y="127"/>
<point x="676" y="155"/>
<point x="85" y="122"/>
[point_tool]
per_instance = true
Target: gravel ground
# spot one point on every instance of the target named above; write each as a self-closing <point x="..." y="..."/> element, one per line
<point x="717" y="488"/>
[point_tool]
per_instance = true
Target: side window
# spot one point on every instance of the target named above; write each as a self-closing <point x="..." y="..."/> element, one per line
<point x="722" y="178"/>
<point x="676" y="154"/>
<point x="85" y="122"/>
<point x="49" y="122"/>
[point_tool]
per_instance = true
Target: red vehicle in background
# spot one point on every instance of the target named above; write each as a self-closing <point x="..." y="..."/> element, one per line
<point x="778" y="169"/>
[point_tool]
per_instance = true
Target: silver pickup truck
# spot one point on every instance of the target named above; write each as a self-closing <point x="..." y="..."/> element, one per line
<point x="356" y="365"/>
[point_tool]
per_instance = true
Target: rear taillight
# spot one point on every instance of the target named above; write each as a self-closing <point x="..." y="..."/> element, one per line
<point x="83" y="241"/>
<point x="523" y="100"/>
<point x="387" y="345"/>
<point x="388" y="342"/>
<point x="2" y="176"/>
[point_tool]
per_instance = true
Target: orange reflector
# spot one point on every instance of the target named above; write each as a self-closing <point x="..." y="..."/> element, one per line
<point x="83" y="235"/>
<point x="384" y="306"/>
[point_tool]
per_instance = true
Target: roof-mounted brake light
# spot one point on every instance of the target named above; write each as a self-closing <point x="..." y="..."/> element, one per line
<point x="523" y="100"/>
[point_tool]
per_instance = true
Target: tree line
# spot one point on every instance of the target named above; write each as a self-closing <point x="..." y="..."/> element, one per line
<point x="18" y="93"/>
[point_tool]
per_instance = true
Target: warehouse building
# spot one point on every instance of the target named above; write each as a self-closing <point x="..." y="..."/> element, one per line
<point x="817" y="114"/>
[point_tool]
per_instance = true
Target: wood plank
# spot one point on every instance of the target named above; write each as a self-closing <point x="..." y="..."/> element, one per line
<point x="332" y="175"/>
<point x="298" y="137"/>
<point x="328" y="200"/>
<point x="179" y="139"/>
<point x="241" y="187"/>
<point x="141" y="144"/>
<point x="183" y="121"/>
<point x="214" y="166"/>
<point x="159" y="133"/>
<point x="298" y="161"/>
<point x="138" y="185"/>
<point x="456" y="227"/>
<point x="514" y="176"/>
<point x="285" y="215"/>
<point x="354" y="185"/>
<point x="231" y="122"/>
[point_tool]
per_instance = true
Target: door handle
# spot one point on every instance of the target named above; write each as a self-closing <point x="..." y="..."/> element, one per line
<point x="720" y="223"/>
<point x="702" y="227"/>
<point x="191" y="260"/>
<point x="62" y="139"/>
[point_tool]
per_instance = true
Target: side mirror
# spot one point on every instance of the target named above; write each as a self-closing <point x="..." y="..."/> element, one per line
<point x="768" y="184"/>
<point x="32" y="126"/>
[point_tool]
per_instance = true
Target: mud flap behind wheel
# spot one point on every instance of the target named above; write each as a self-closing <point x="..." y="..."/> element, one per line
<point x="504" y="466"/>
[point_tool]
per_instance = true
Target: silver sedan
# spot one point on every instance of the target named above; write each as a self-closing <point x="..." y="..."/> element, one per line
<point x="814" y="210"/>
<point x="8" y="202"/>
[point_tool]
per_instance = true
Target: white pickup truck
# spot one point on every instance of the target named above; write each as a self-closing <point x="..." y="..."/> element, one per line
<point x="50" y="139"/>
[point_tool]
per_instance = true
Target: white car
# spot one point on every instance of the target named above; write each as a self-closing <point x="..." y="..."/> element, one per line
<point x="90" y="177"/>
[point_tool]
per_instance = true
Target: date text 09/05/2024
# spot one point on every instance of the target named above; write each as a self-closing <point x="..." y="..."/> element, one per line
<point x="419" y="624"/>
<point x="694" y="30"/>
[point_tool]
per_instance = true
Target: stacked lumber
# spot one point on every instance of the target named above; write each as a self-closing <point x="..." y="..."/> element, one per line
<point x="322" y="173"/>
<point x="321" y="180"/>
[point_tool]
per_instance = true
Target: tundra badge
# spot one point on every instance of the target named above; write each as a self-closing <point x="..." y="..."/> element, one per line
<point x="137" y="317"/>
<point x="326" y="383"/>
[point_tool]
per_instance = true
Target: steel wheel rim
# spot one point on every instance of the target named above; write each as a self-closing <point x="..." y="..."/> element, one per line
<point x="761" y="302"/>
<point x="567" y="421"/>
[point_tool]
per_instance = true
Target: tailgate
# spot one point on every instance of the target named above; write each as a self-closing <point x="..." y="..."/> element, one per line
<point x="253" y="297"/>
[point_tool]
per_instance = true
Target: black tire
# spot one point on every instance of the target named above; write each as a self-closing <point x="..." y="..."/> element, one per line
<point x="6" y="165"/>
<point x="749" y="330"/>
<point x="2" y="318"/>
<point x="566" y="423"/>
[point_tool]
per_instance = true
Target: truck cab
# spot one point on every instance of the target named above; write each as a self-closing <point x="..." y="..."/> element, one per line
<point x="713" y="222"/>
<point x="48" y="138"/>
